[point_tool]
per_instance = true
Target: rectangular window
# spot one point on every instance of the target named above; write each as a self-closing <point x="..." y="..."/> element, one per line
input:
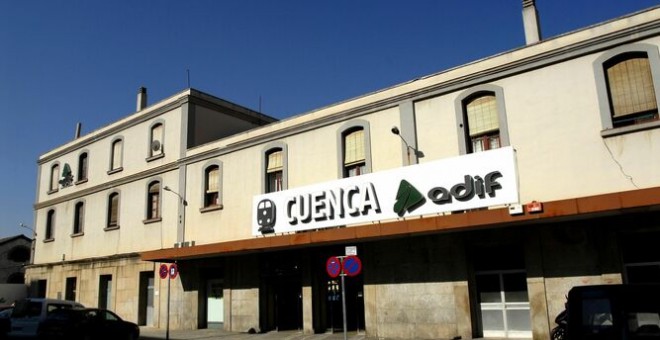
<point x="212" y="194"/>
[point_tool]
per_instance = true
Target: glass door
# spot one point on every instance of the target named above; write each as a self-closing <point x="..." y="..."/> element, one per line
<point x="504" y="304"/>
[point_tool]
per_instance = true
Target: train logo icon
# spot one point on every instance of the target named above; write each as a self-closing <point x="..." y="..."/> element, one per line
<point x="266" y="216"/>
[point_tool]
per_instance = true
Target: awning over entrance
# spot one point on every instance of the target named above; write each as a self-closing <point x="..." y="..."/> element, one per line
<point x="615" y="203"/>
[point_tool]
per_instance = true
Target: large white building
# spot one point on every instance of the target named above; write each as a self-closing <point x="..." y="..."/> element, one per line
<point x="485" y="192"/>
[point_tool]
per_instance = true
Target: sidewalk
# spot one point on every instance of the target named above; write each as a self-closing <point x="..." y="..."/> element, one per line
<point x="149" y="333"/>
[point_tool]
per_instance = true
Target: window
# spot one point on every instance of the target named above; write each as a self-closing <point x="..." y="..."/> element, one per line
<point x="54" y="178"/>
<point x="79" y="218"/>
<point x="50" y="225"/>
<point x="156" y="141"/>
<point x="274" y="170"/>
<point x="113" y="211"/>
<point x="116" y="156"/>
<point x="628" y="85"/>
<point x="153" y="201"/>
<point x="630" y="89"/>
<point x="354" y="156"/>
<point x="481" y="117"/>
<point x="482" y="123"/>
<point x="212" y="186"/>
<point x="82" y="167"/>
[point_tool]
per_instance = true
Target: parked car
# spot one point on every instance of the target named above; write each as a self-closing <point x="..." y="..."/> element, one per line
<point x="87" y="324"/>
<point x="610" y="312"/>
<point x="29" y="313"/>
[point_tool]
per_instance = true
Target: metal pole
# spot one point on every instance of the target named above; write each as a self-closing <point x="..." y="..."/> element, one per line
<point x="167" y="326"/>
<point x="343" y="304"/>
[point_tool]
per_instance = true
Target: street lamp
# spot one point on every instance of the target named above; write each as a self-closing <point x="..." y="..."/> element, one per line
<point x="34" y="240"/>
<point x="418" y="154"/>
<point x="184" y="203"/>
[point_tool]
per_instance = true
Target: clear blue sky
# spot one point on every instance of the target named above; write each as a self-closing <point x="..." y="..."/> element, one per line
<point x="64" y="62"/>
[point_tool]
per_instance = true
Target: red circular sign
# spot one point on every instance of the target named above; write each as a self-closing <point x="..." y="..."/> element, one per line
<point x="163" y="271"/>
<point x="352" y="265"/>
<point x="174" y="271"/>
<point x="333" y="266"/>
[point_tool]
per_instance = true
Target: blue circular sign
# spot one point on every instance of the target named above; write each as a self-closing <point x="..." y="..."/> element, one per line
<point x="333" y="266"/>
<point x="352" y="265"/>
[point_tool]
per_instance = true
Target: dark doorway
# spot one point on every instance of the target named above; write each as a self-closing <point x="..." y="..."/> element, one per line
<point x="281" y="292"/>
<point x="328" y="315"/>
<point x="146" y="299"/>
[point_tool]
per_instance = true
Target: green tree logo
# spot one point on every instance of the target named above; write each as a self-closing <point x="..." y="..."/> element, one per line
<point x="408" y="198"/>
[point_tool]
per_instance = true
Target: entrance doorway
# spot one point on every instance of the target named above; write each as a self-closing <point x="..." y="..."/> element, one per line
<point x="281" y="292"/>
<point x="215" y="313"/>
<point x="146" y="299"/>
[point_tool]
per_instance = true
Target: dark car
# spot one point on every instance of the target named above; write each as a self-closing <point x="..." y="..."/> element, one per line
<point x="87" y="324"/>
<point x="611" y="312"/>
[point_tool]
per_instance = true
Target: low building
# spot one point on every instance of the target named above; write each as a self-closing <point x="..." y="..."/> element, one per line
<point x="474" y="199"/>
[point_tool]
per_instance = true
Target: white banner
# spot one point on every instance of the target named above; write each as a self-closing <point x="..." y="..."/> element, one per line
<point x="470" y="181"/>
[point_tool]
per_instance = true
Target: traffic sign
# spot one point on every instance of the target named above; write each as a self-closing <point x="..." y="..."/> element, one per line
<point x="333" y="266"/>
<point x="163" y="271"/>
<point x="174" y="270"/>
<point x="352" y="265"/>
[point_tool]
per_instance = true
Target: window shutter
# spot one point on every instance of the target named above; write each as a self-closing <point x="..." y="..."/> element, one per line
<point x="631" y="87"/>
<point x="274" y="162"/>
<point x="212" y="180"/>
<point x="482" y="115"/>
<point x="354" y="147"/>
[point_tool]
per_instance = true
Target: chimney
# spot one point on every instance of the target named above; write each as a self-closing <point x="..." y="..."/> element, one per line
<point x="141" y="98"/>
<point x="531" y="22"/>
<point x="78" y="128"/>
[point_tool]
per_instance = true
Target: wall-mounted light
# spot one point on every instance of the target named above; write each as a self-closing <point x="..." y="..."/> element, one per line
<point x="418" y="154"/>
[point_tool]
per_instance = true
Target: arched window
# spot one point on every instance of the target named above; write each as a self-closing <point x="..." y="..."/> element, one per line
<point x="354" y="155"/>
<point x="50" y="225"/>
<point x="156" y="140"/>
<point x="274" y="170"/>
<point x="481" y="118"/>
<point x="113" y="211"/>
<point x="79" y="218"/>
<point x="54" y="178"/>
<point x="153" y="201"/>
<point x="630" y="89"/>
<point x="482" y="121"/>
<point x="212" y="186"/>
<point x="116" y="157"/>
<point x="82" y="167"/>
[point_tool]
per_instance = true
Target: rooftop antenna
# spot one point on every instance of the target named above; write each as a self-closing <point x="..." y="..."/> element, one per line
<point x="260" y="104"/>
<point x="188" y="76"/>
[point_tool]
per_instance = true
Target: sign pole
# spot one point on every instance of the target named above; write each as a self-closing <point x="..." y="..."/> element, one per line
<point x="167" y="326"/>
<point x="343" y="304"/>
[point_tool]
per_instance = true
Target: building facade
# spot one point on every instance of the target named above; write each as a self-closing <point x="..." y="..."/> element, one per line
<point x="475" y="198"/>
